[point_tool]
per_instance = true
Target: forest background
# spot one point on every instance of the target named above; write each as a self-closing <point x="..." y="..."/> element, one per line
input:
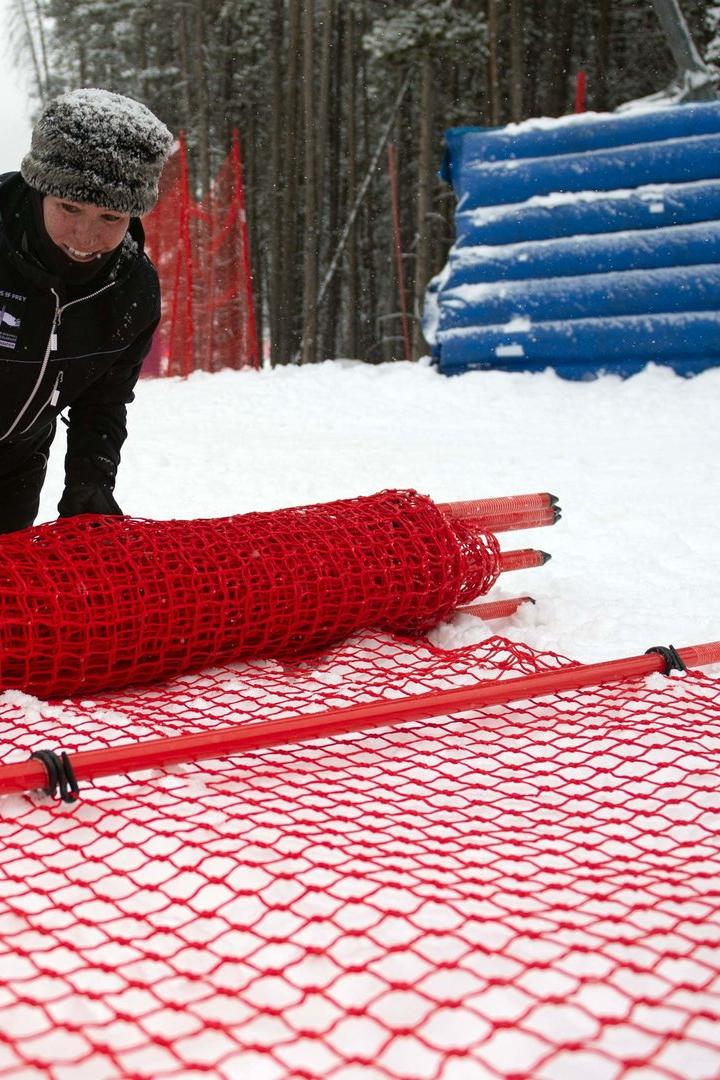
<point x="317" y="90"/>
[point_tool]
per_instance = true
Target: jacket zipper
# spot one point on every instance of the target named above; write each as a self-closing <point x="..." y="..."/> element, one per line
<point x="51" y="347"/>
<point x="52" y="400"/>
<point x="41" y="376"/>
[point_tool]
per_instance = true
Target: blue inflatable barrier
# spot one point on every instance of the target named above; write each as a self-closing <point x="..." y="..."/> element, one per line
<point x="636" y="292"/>
<point x="680" y="245"/>
<point x="585" y="213"/>
<point x="586" y="244"/>
<point x="574" y="135"/>
<point x="581" y="348"/>
<point x="627" y="166"/>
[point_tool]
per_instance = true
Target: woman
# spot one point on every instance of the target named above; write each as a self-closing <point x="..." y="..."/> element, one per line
<point x="79" y="301"/>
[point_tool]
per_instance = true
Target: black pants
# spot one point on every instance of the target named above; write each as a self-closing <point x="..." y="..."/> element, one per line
<point x="22" y="474"/>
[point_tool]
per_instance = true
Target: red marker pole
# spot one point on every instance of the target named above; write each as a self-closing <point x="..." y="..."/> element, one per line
<point x="495" y="609"/>
<point x="580" y="83"/>
<point x="498" y="507"/>
<point x="181" y="749"/>
<point x="530" y="519"/>
<point x="522" y="559"/>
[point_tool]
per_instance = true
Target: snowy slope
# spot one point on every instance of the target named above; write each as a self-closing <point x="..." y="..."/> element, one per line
<point x="635" y="560"/>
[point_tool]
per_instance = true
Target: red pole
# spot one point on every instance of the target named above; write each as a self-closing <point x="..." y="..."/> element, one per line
<point x="532" y="519"/>
<point x="495" y="609"/>
<point x="506" y="504"/>
<point x="395" y="202"/>
<point x="247" y="262"/>
<point x="179" y="749"/>
<point x="580" y="92"/>
<point x="524" y="559"/>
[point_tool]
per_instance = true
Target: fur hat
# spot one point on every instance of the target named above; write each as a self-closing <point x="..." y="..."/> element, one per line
<point x="96" y="147"/>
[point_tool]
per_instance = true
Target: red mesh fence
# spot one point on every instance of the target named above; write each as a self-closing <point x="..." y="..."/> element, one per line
<point x="531" y="891"/>
<point x="89" y="604"/>
<point x="527" y="890"/>
<point x="201" y="251"/>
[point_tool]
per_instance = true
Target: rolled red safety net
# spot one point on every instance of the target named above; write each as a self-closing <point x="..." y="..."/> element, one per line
<point x="90" y="604"/>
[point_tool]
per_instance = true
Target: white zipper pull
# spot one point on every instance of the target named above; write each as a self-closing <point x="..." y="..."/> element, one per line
<point x="53" y="340"/>
<point x="55" y="396"/>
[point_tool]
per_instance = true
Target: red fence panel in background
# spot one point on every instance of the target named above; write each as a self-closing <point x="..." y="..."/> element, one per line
<point x="202" y="254"/>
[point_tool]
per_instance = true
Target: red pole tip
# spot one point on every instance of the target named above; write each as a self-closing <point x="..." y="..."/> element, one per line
<point x="495" y="609"/>
<point x="522" y="559"/>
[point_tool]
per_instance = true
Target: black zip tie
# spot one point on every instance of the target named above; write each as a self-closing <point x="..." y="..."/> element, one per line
<point x="60" y="774"/>
<point x="673" y="659"/>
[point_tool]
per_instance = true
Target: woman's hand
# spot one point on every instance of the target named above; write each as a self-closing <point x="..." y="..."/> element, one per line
<point x="87" y="498"/>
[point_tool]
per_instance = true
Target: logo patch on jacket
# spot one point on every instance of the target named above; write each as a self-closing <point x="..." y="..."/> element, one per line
<point x="9" y="327"/>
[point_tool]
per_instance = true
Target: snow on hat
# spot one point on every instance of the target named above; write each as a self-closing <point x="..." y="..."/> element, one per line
<point x="97" y="147"/>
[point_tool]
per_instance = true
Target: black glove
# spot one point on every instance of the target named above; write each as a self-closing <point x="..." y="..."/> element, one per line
<point x="80" y="497"/>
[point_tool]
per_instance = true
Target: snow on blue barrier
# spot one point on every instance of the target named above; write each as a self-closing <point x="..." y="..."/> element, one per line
<point x="629" y="166"/>
<point x="574" y="135"/>
<point x="545" y="217"/>
<point x="584" y="348"/>
<point x="587" y="244"/>
<point x="635" y="292"/>
<point x="602" y="253"/>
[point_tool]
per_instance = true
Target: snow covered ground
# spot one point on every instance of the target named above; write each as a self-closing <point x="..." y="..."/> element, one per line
<point x="634" y="464"/>
<point x="532" y="895"/>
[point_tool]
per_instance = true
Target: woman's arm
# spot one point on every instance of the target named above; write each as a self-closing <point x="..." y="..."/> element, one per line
<point x="96" y="432"/>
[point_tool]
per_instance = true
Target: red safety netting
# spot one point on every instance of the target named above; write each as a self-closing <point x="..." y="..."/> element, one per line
<point x="89" y="604"/>
<point x="533" y="891"/>
<point x="201" y="250"/>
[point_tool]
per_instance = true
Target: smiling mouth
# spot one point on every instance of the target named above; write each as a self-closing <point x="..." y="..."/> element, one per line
<point x="81" y="256"/>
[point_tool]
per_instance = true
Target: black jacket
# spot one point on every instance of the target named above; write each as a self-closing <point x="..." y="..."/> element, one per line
<point x="59" y="348"/>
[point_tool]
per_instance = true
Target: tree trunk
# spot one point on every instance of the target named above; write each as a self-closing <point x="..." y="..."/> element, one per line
<point x="202" y="122"/>
<point x="184" y="57"/>
<point x="493" y="63"/>
<point x="310" y="262"/>
<point x="335" y="155"/>
<point x="322" y="144"/>
<point x="425" y="179"/>
<point x="351" y="344"/>
<point x="517" y="59"/>
<point x="369" y="309"/>
<point x="142" y="37"/>
<point x="44" y="66"/>
<point x="277" y="185"/>
<point x="20" y="10"/>
<point x="562" y="38"/>
<point x="289" y="223"/>
<point x="291" y="205"/>
<point x="602" y="57"/>
<point x="258" y="265"/>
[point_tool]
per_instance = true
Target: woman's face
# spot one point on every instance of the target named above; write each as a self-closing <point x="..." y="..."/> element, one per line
<point x="83" y="231"/>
